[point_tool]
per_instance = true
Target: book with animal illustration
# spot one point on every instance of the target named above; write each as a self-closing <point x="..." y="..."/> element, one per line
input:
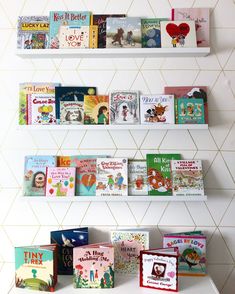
<point x="192" y="252"/>
<point x="159" y="173"/>
<point x="74" y="37"/>
<point x="127" y="246"/>
<point x="178" y="34"/>
<point x="33" y="32"/>
<point x="111" y="177"/>
<point x="137" y="177"/>
<point x="66" y="241"/>
<point x="190" y="111"/>
<point x="60" y="181"/>
<point x="187" y="178"/>
<point x="93" y="266"/>
<point x="124" y="32"/>
<point x="35" y="174"/>
<point x="155" y="109"/>
<point x="201" y="16"/>
<point x="96" y="109"/>
<point x="124" y="107"/>
<point x="36" y="267"/>
<point x="159" y="269"/>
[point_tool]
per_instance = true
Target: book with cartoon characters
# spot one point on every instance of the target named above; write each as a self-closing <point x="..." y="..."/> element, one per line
<point x="96" y="109"/>
<point x="35" y="174"/>
<point x="137" y="177"/>
<point x="74" y="37"/>
<point x="159" y="173"/>
<point x="190" y="111"/>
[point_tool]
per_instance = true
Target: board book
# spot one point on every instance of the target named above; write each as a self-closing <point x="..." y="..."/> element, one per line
<point x="96" y="109"/>
<point x="190" y="111"/>
<point x="74" y="37"/>
<point x="137" y="177"/>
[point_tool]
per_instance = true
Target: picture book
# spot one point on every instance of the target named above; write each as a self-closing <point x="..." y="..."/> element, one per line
<point x="96" y="109"/>
<point x="71" y="112"/>
<point x="41" y="109"/>
<point x="65" y="18"/>
<point x="66" y="241"/>
<point x="60" y="181"/>
<point x="33" y="32"/>
<point x="93" y="39"/>
<point x="124" y="32"/>
<point x="201" y="16"/>
<point x="93" y="266"/>
<point x="159" y="269"/>
<point x="124" y="107"/>
<point x="159" y="173"/>
<point x="187" y="178"/>
<point x="36" y="268"/>
<point x="190" y="111"/>
<point x="74" y="37"/>
<point x="35" y="174"/>
<point x="178" y="34"/>
<point x="151" y="32"/>
<point x="192" y="252"/>
<point x="137" y="177"/>
<point x="111" y="177"/>
<point x="155" y="109"/>
<point x="74" y="160"/>
<point x="127" y="246"/>
<point x="100" y="21"/>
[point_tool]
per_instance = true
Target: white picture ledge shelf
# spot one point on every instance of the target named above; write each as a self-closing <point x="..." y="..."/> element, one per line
<point x="113" y="52"/>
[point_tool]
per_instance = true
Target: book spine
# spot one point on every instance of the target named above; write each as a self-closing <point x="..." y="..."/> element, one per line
<point x="93" y="40"/>
<point x="172" y="14"/>
<point x="28" y="110"/>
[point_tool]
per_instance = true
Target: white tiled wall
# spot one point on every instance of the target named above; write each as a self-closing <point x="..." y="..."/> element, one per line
<point x="24" y="222"/>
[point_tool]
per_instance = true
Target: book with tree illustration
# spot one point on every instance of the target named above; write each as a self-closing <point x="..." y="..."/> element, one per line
<point x="137" y="177"/>
<point x="96" y="109"/>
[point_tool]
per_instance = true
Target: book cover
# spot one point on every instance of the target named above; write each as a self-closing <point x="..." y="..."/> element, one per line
<point x="74" y="37"/>
<point x="35" y="267"/>
<point x="93" y="266"/>
<point x="155" y="109"/>
<point x="124" y="107"/>
<point x="123" y="32"/>
<point x="71" y="112"/>
<point x="93" y="39"/>
<point x="33" y="32"/>
<point x="159" y="173"/>
<point x="65" y="18"/>
<point x="137" y="177"/>
<point x="35" y="174"/>
<point x="190" y="111"/>
<point x="178" y="34"/>
<point x="60" y="181"/>
<point x="192" y="252"/>
<point x="187" y="178"/>
<point x="201" y="16"/>
<point x="96" y="110"/>
<point x="127" y="246"/>
<point x="66" y="241"/>
<point x="111" y="177"/>
<point x="74" y="160"/>
<point x="159" y="269"/>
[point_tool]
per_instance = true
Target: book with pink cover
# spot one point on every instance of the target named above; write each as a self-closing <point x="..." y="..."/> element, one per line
<point x="60" y="181"/>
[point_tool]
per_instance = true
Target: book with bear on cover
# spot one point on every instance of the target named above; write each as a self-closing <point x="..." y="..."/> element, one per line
<point x="93" y="266"/>
<point x="96" y="109"/>
<point x="137" y="177"/>
<point x="190" y="111"/>
<point x="66" y="241"/>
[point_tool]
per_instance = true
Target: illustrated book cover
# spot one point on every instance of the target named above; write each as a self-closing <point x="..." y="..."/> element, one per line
<point x="66" y="241"/>
<point x="96" y="109"/>
<point x="35" y="174"/>
<point x="159" y="269"/>
<point x="93" y="266"/>
<point x="74" y="37"/>
<point x="74" y="160"/>
<point x="137" y="177"/>
<point x="190" y="111"/>
<point x="127" y="246"/>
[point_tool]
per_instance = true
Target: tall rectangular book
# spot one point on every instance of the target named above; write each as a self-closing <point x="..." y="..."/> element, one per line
<point x="137" y="177"/>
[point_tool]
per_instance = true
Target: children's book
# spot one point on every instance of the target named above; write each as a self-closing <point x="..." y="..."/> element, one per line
<point x="137" y="177"/>
<point x="124" y="107"/>
<point x="159" y="269"/>
<point x="66" y="241"/>
<point x="33" y="32"/>
<point x="151" y="32"/>
<point x="127" y="247"/>
<point x="36" y="267"/>
<point x="111" y="177"/>
<point x="159" y="173"/>
<point x="65" y="18"/>
<point x="93" y="39"/>
<point x="96" y="110"/>
<point x="123" y="32"/>
<point x="74" y="37"/>
<point x="201" y="16"/>
<point x="178" y="34"/>
<point x="155" y="109"/>
<point x="35" y="174"/>
<point x="60" y="181"/>
<point x="71" y="112"/>
<point x="187" y="178"/>
<point x="100" y="21"/>
<point x="93" y="266"/>
<point x="190" y="111"/>
<point x="192" y="251"/>
<point x="41" y="109"/>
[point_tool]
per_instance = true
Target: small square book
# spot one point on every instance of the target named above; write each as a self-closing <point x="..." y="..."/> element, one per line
<point x="190" y="111"/>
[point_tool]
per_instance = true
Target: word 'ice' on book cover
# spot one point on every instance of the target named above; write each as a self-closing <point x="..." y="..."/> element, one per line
<point x="137" y="177"/>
